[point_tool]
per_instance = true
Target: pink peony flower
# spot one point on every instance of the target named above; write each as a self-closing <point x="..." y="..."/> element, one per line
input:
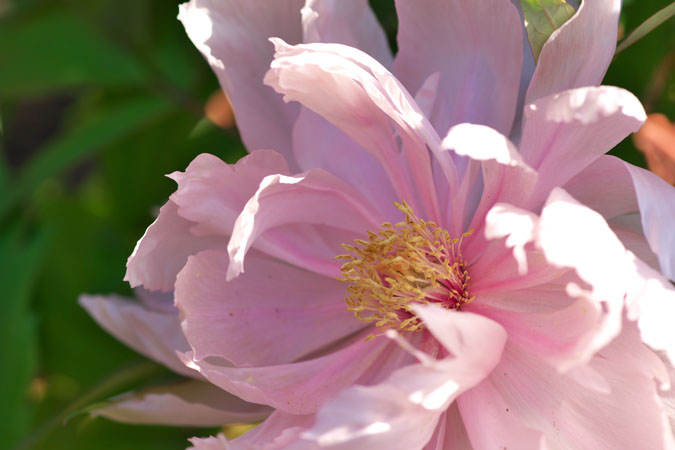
<point x="487" y="292"/>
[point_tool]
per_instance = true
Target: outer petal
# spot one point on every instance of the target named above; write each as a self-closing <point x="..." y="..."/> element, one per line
<point x="233" y="36"/>
<point x="301" y="387"/>
<point x="477" y="48"/>
<point x="349" y="22"/>
<point x="190" y="403"/>
<point x="201" y="212"/>
<point x="373" y="108"/>
<point x="163" y="250"/>
<point x="315" y="197"/>
<point x="656" y="200"/>
<point x="613" y="188"/>
<point x="273" y="314"/>
<point x="403" y="411"/>
<point x="579" y="52"/>
<point x="212" y="193"/>
<point x="154" y="334"/>
<point x="606" y="187"/>
<point x="566" y="132"/>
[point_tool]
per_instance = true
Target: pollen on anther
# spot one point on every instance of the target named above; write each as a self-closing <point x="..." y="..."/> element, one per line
<point x="410" y="262"/>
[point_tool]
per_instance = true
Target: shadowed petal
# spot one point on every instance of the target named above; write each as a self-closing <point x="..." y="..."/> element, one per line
<point x="373" y="108"/>
<point x="233" y="37"/>
<point x="155" y="334"/>
<point x="189" y="403"/>
<point x="476" y="47"/>
<point x="349" y="22"/>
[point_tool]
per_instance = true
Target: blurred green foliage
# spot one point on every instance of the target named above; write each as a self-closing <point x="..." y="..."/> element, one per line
<point x="98" y="100"/>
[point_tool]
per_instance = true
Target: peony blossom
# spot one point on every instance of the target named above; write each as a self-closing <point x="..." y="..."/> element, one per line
<point x="424" y="251"/>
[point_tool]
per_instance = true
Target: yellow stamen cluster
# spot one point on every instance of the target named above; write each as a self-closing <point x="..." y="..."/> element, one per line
<point x="411" y="262"/>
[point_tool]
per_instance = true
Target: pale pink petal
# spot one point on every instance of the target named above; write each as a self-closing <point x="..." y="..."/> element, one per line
<point x="272" y="314"/>
<point x="572" y="235"/>
<point x="314" y="197"/>
<point x="505" y="177"/>
<point x="566" y="132"/>
<point x="348" y="22"/>
<point x="402" y="412"/>
<point x="279" y="432"/>
<point x="189" y="403"/>
<point x="373" y="417"/>
<point x="573" y="416"/>
<point x="163" y="250"/>
<point x="491" y="425"/>
<point x="614" y="188"/>
<point x="606" y="187"/>
<point x="565" y="338"/>
<point x="155" y="334"/>
<point x="211" y="193"/>
<point x="319" y="143"/>
<point x="233" y="37"/>
<point x="651" y="302"/>
<point x="637" y="244"/>
<point x="656" y="200"/>
<point x="218" y="442"/>
<point x="477" y="49"/>
<point x="296" y="388"/>
<point x="373" y="108"/>
<point x="579" y="52"/>
<point x="451" y="431"/>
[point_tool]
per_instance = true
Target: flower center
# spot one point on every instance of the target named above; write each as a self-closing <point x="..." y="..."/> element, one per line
<point x="411" y="262"/>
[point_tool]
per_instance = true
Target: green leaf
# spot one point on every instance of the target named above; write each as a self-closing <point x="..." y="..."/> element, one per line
<point x="110" y="385"/>
<point x="59" y="50"/>
<point x="645" y="27"/>
<point x="89" y="136"/>
<point x="542" y="18"/>
<point x="20" y="260"/>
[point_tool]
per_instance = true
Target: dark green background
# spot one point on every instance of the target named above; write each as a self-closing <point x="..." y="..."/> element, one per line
<point x="99" y="99"/>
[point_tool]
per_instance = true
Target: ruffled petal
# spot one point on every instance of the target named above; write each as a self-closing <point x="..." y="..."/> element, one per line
<point x="477" y="49"/>
<point x="212" y="193"/>
<point x="579" y="52"/>
<point x="163" y="250"/>
<point x="272" y="314"/>
<point x="403" y="411"/>
<point x="233" y="37"/>
<point x="189" y="403"/>
<point x="566" y="132"/>
<point x="315" y="197"/>
<point x="373" y="109"/>
<point x="155" y="334"/>
<point x="572" y="235"/>
<point x="348" y="22"/>
<point x="296" y="388"/>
